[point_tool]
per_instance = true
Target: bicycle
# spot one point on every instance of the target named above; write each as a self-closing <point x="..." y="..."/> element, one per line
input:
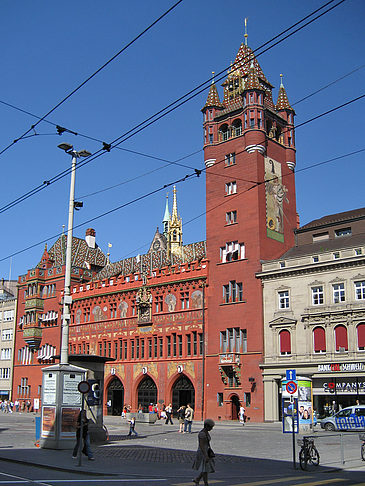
<point x="362" y="437"/>
<point x="308" y="453"/>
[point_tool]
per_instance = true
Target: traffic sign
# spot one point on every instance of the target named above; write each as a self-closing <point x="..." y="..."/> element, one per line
<point x="291" y="374"/>
<point x="291" y="387"/>
<point x="83" y="387"/>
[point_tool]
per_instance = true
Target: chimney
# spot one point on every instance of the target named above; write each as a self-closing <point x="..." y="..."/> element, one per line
<point x="90" y="237"/>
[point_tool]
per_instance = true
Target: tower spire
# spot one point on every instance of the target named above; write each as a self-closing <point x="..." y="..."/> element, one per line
<point x="174" y="215"/>
<point x="166" y="218"/>
<point x="246" y="35"/>
<point x="174" y="240"/>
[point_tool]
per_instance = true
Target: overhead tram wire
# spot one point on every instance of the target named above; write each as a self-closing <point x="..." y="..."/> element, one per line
<point x="93" y="75"/>
<point x="108" y="147"/>
<point x="155" y="191"/>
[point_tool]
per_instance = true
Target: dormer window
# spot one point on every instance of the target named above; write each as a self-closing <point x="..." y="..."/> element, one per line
<point x="343" y="232"/>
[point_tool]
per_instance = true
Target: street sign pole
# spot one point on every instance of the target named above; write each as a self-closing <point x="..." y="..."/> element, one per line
<point x="292" y="399"/>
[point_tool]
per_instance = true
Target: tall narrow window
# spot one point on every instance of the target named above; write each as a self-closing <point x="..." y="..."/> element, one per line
<point x="338" y="293"/>
<point x="284" y="302"/>
<point x="341" y="338"/>
<point x="285" y="342"/>
<point x="231" y="217"/>
<point x="188" y="344"/>
<point x="360" y="290"/>
<point x="361" y="337"/>
<point x="231" y="188"/>
<point x="319" y="340"/>
<point x="317" y="295"/>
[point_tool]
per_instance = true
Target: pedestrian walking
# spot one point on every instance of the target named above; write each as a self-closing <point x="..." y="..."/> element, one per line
<point x="241" y="415"/>
<point x="181" y="418"/>
<point x="204" y="460"/>
<point x="168" y="411"/>
<point x="16" y="403"/>
<point x="189" y="414"/>
<point x="132" y="425"/>
<point x="83" y="422"/>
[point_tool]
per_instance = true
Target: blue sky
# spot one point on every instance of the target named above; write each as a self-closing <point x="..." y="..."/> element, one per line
<point x="48" y="49"/>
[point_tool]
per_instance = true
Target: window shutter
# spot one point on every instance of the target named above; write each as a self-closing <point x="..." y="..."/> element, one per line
<point x="285" y="344"/>
<point x="361" y="336"/>
<point x="319" y="336"/>
<point x="341" y="338"/>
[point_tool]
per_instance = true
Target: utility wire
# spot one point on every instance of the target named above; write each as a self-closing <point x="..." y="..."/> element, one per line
<point x="92" y="75"/>
<point x="188" y="176"/>
<point x="108" y="147"/>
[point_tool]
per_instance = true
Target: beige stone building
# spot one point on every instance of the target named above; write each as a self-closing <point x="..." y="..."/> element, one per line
<point x="314" y="313"/>
<point x="8" y="300"/>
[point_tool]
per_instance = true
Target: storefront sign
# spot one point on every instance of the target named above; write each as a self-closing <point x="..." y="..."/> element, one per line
<point x="344" y="386"/>
<point x="340" y="367"/>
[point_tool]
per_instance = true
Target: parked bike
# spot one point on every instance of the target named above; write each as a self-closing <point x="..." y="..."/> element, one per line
<point x="308" y="453"/>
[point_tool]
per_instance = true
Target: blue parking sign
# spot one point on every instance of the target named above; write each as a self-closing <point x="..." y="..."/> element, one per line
<point x="291" y="375"/>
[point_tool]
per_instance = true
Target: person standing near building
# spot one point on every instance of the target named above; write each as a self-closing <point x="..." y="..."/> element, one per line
<point x="132" y="425"/>
<point x="189" y="414"/>
<point x="181" y="418"/>
<point x="83" y="423"/>
<point x="168" y="411"/>
<point x="204" y="460"/>
<point x="241" y="415"/>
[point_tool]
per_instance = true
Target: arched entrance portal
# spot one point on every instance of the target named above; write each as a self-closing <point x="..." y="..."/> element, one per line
<point x="115" y="397"/>
<point x="235" y="407"/>
<point x="147" y="393"/>
<point x="183" y="393"/>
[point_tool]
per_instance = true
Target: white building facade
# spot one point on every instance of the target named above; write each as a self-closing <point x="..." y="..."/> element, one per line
<point x="8" y="303"/>
<point x="314" y="314"/>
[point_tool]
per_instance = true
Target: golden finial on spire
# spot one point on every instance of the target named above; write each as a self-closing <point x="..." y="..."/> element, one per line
<point x="281" y="81"/>
<point x="213" y="73"/>
<point x="246" y="35"/>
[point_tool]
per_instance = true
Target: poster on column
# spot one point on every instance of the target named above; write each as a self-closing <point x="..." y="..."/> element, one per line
<point x="305" y="408"/>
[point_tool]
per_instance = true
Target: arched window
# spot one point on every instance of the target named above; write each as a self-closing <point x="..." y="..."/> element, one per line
<point x="285" y="342"/>
<point x="174" y="236"/>
<point x="224" y="132"/>
<point x="361" y="337"/>
<point x="341" y="338"/>
<point x="319" y="340"/>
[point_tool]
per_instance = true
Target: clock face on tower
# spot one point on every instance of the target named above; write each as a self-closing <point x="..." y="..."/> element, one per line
<point x="156" y="245"/>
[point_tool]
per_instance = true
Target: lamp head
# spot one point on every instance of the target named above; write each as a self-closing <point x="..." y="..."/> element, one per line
<point x="65" y="146"/>
<point x="84" y="153"/>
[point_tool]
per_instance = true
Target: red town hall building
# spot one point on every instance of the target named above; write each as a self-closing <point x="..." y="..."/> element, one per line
<point x="183" y="322"/>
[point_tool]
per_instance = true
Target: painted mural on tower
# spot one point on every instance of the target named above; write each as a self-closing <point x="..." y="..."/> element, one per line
<point x="275" y="198"/>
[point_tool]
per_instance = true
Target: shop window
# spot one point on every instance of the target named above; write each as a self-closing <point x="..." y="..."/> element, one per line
<point x="361" y="337"/>
<point x="285" y="342"/>
<point x="341" y="338"/>
<point x="319" y="340"/>
<point x="338" y="293"/>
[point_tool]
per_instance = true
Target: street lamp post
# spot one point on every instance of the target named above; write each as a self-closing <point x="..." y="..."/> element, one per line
<point x="67" y="299"/>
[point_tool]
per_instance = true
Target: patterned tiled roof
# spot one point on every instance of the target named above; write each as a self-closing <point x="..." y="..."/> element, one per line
<point x="213" y="98"/>
<point x="252" y="80"/>
<point x="283" y="102"/>
<point x="245" y="57"/>
<point x="151" y="261"/>
<point x="82" y="254"/>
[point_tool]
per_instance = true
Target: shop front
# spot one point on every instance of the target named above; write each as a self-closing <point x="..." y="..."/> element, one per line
<point x="338" y="385"/>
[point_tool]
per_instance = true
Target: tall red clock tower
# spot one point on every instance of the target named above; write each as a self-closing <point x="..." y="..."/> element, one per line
<point x="249" y="152"/>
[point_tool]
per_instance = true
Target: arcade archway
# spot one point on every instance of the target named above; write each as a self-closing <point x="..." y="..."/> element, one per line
<point x="147" y="393"/>
<point x="115" y="397"/>
<point x="183" y="392"/>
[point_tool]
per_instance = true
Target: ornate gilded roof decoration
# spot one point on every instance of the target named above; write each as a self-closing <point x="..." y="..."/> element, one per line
<point x="174" y="239"/>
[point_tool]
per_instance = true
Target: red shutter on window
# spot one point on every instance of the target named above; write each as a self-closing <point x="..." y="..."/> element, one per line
<point x="285" y="345"/>
<point x="341" y="337"/>
<point x="319" y="336"/>
<point x="361" y="336"/>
